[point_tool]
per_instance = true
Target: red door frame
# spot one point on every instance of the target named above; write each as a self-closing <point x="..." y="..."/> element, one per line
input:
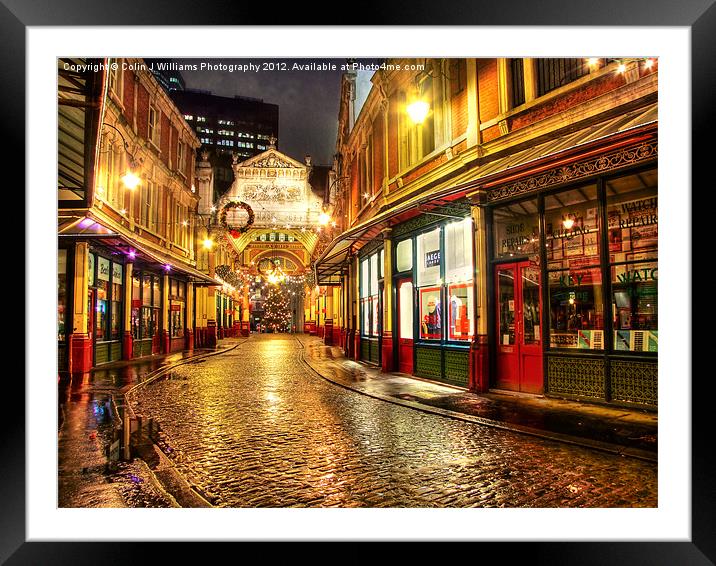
<point x="405" y="345"/>
<point x="518" y="365"/>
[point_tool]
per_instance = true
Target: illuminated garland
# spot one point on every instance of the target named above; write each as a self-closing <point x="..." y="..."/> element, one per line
<point x="236" y="232"/>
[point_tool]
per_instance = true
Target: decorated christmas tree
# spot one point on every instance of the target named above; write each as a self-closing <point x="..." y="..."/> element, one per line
<point x="277" y="314"/>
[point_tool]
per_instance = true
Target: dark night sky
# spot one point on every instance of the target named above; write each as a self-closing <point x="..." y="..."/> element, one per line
<point x="307" y="100"/>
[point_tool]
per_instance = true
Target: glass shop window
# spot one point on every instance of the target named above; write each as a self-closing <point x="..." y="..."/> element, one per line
<point x="61" y="293"/>
<point x="404" y="255"/>
<point x="136" y="304"/>
<point x="406" y="310"/>
<point x="370" y="315"/>
<point x="176" y="318"/>
<point x="117" y="299"/>
<point x="429" y="260"/>
<point x="102" y="303"/>
<point x="572" y="229"/>
<point x="516" y="230"/>
<point x="459" y="279"/>
<point x="576" y="305"/>
<point x="633" y="222"/>
<point x="429" y="285"/>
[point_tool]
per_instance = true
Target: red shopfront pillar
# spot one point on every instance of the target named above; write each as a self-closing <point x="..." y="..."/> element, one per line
<point x="166" y="342"/>
<point x="127" y="343"/>
<point x="356" y="346"/>
<point x="190" y="340"/>
<point x="211" y="334"/>
<point x="245" y="328"/>
<point x="80" y="353"/>
<point x="479" y="374"/>
<point x="387" y="351"/>
<point x="328" y="332"/>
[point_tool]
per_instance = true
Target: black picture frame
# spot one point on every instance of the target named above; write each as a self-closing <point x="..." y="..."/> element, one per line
<point x="699" y="16"/>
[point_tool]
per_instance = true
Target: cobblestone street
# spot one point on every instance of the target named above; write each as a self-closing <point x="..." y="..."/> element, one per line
<point x="255" y="427"/>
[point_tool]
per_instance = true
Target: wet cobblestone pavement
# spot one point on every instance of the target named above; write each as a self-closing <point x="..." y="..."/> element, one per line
<point x="255" y="427"/>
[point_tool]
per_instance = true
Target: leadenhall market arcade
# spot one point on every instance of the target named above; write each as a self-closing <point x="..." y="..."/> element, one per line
<point x="546" y="284"/>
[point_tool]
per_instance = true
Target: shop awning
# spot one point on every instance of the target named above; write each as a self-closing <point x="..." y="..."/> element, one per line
<point x="87" y="228"/>
<point x="490" y="170"/>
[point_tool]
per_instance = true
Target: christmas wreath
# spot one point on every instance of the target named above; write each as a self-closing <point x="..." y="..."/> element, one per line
<point x="233" y="230"/>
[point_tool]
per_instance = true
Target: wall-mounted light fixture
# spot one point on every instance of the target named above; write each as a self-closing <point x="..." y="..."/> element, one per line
<point x="130" y="178"/>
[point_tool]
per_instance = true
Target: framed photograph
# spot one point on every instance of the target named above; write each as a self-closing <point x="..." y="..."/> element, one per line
<point x="38" y="531"/>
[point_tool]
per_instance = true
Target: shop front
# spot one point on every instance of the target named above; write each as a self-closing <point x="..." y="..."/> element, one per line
<point x="574" y="276"/>
<point x="434" y="306"/>
<point x="176" y="315"/>
<point x="371" y="304"/>
<point x="146" y="312"/>
<point x="105" y="305"/>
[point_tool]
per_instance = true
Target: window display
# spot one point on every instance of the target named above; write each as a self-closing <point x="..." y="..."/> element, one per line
<point x="460" y="298"/>
<point x="633" y="222"/>
<point x="572" y="228"/>
<point x="430" y="313"/>
<point x="576" y="309"/>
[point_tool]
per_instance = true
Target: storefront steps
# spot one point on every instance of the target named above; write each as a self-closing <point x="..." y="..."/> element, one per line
<point x="612" y="429"/>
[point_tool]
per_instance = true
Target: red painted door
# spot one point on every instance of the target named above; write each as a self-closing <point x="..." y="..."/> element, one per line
<point x="519" y="336"/>
<point x="405" y="325"/>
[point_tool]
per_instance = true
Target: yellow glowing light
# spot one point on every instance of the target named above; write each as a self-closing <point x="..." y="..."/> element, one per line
<point x="130" y="180"/>
<point x="568" y="222"/>
<point x="593" y="61"/>
<point x="208" y="243"/>
<point x="621" y="68"/>
<point x="418" y="111"/>
<point x="324" y="218"/>
<point x="571" y="301"/>
<point x="649" y="63"/>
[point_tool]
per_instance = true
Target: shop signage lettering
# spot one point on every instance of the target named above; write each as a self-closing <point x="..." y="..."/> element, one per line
<point x="641" y="212"/>
<point x="432" y="258"/>
<point x="571" y="280"/>
<point x="643" y="205"/>
<point x="645" y="274"/>
<point x="569" y="234"/>
<point x="644" y="220"/>
<point x="175" y="307"/>
<point x="117" y="273"/>
<point x="512" y="243"/>
<point x="103" y="272"/>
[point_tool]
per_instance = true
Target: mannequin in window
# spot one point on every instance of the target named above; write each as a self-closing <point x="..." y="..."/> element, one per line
<point x="431" y="320"/>
<point x="455" y="304"/>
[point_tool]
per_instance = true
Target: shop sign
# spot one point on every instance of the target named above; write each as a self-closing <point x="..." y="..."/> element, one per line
<point x="175" y="307"/>
<point x="645" y="274"/>
<point x="103" y="271"/>
<point x="117" y="273"/>
<point x="432" y="258"/>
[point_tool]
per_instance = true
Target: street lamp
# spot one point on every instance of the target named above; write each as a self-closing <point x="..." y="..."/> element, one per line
<point x="130" y="179"/>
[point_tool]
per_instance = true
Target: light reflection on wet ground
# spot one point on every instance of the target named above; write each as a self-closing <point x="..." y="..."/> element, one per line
<point x="255" y="428"/>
